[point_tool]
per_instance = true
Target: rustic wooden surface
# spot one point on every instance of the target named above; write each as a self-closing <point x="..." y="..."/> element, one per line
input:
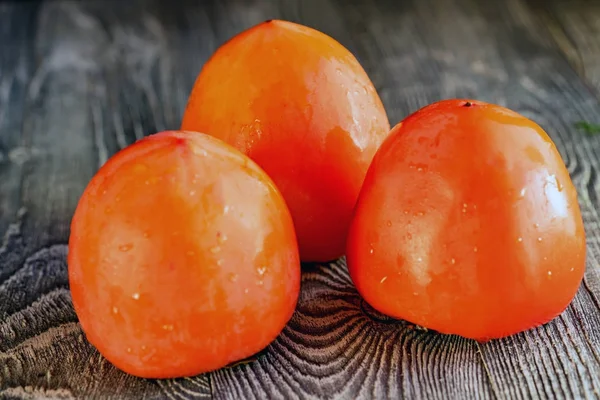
<point x="79" y="80"/>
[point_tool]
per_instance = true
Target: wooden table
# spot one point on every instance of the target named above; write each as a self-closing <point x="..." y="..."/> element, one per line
<point x="80" y="80"/>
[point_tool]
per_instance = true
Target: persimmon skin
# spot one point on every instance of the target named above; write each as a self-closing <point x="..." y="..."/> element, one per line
<point x="182" y="257"/>
<point x="468" y="223"/>
<point x="298" y="103"/>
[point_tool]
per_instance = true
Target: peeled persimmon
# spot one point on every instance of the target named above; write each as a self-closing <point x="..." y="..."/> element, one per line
<point x="182" y="257"/>
<point x="298" y="103"/>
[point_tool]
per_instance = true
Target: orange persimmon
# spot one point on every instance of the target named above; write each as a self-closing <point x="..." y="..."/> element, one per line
<point x="298" y="103"/>
<point x="468" y="223"/>
<point x="182" y="257"/>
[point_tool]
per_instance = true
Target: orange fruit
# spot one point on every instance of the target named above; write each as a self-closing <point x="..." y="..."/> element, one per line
<point x="182" y="257"/>
<point x="468" y="223"/>
<point x="299" y="104"/>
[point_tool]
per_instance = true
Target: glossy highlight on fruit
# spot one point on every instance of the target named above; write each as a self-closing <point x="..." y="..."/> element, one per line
<point x="299" y="104"/>
<point x="182" y="257"/>
<point x="468" y="223"/>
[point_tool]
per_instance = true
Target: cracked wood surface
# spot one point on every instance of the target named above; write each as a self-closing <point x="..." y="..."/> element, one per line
<point x="80" y="80"/>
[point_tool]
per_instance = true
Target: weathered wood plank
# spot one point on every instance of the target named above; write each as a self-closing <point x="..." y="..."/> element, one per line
<point x="17" y="30"/>
<point x="88" y="89"/>
<point x="94" y="77"/>
<point x="575" y="26"/>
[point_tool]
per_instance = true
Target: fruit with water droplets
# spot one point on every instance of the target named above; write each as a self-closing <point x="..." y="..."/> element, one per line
<point x="182" y="257"/>
<point x="299" y="104"/>
<point x="470" y="215"/>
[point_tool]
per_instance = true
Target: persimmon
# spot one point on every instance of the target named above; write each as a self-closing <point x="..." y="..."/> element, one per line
<point x="182" y="257"/>
<point x="468" y="223"/>
<point x="298" y="103"/>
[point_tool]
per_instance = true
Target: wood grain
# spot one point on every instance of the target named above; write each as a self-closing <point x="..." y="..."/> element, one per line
<point x="575" y="26"/>
<point x="80" y="80"/>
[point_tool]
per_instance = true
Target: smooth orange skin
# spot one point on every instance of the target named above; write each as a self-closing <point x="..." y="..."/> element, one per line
<point x="182" y="257"/>
<point x="468" y="223"/>
<point x="299" y="104"/>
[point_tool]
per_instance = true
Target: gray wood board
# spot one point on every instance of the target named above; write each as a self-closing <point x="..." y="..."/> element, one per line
<point x="80" y="80"/>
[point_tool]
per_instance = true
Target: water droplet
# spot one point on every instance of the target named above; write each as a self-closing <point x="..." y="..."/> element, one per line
<point x="126" y="247"/>
<point x="405" y="212"/>
<point x="146" y="234"/>
<point x="147" y="182"/>
<point x="420" y="213"/>
<point x="215" y="249"/>
<point x="415" y="294"/>
<point x="420" y="169"/>
<point x="261" y="271"/>
<point x="219" y="262"/>
<point x="409" y="236"/>
<point x="226" y="209"/>
<point x="221" y="237"/>
<point x="115" y="310"/>
<point x="419" y="259"/>
<point x="389" y="223"/>
<point x="519" y="239"/>
<point x="135" y="296"/>
<point x="129" y="349"/>
<point x="104" y="191"/>
<point x="233" y="277"/>
<point x="167" y="327"/>
<point x="572" y="269"/>
<point x="522" y="193"/>
<point x="452" y="261"/>
<point x="143" y="347"/>
<point x="383" y="279"/>
<point x="260" y="283"/>
<point x="539" y="239"/>
<point x="475" y="249"/>
<point x="371" y="250"/>
<point x="549" y="273"/>
<point x="192" y="192"/>
<point x="536" y="225"/>
<point x="246" y="290"/>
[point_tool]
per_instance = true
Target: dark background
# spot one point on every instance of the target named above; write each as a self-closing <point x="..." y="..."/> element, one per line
<point x="81" y="79"/>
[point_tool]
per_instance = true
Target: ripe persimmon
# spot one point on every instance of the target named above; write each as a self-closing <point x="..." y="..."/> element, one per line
<point x="468" y="223"/>
<point x="182" y="257"/>
<point x="298" y="103"/>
